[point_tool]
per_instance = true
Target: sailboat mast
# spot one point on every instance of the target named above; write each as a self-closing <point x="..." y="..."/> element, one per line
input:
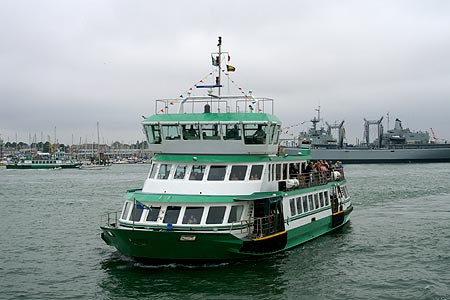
<point x="220" y="58"/>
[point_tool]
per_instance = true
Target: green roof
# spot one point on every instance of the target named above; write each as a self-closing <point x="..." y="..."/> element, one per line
<point x="212" y="117"/>
<point x="227" y="158"/>
<point x="175" y="198"/>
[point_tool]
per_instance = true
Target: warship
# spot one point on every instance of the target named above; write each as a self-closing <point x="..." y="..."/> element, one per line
<point x="397" y="145"/>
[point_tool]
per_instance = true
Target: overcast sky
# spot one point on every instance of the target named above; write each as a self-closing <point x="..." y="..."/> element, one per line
<point x="68" y="64"/>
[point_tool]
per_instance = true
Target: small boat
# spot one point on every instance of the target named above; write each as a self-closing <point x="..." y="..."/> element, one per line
<point x="44" y="161"/>
<point x="218" y="189"/>
<point x="95" y="165"/>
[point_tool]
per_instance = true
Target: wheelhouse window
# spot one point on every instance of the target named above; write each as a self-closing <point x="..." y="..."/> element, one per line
<point x="256" y="172"/>
<point x="215" y="215"/>
<point x="136" y="214"/>
<point x="210" y="131"/>
<point x="238" y="172"/>
<point x="172" y="213"/>
<point x="255" y="133"/>
<point x="193" y="215"/>
<point x="197" y="172"/>
<point x="180" y="172"/>
<point x="217" y="173"/>
<point x="171" y="132"/>
<point x="153" y="134"/>
<point x="153" y="213"/>
<point x="153" y="170"/>
<point x="164" y="171"/>
<point x="231" y="131"/>
<point x="126" y="209"/>
<point x="273" y="134"/>
<point x="235" y="213"/>
<point x="191" y="132"/>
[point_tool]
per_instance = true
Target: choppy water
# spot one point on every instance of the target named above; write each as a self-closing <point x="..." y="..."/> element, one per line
<point x="397" y="245"/>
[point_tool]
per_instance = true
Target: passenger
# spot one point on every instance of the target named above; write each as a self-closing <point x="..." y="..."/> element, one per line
<point x="259" y="137"/>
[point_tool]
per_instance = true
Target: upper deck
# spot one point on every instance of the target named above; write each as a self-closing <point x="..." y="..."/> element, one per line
<point x="213" y="125"/>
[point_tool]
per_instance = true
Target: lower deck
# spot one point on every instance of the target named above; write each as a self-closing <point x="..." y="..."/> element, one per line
<point x="213" y="231"/>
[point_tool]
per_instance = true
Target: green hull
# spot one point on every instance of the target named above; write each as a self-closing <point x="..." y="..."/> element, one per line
<point x="200" y="246"/>
<point x="36" y="166"/>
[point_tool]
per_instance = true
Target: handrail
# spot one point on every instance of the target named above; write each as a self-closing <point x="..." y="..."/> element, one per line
<point x="110" y="219"/>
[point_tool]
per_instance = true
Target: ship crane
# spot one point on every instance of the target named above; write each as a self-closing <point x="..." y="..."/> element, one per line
<point x="367" y="124"/>
<point x="435" y="140"/>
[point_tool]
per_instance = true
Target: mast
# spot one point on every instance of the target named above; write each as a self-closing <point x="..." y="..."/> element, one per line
<point x="219" y="62"/>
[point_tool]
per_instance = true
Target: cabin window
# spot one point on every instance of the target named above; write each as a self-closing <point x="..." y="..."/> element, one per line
<point x="321" y="199"/>
<point x="310" y="202"/>
<point x="180" y="172"/>
<point x="193" y="215"/>
<point x="210" y="131"/>
<point x="172" y="213"/>
<point x="215" y="215"/>
<point x="278" y="172"/>
<point x="191" y="132"/>
<point x="255" y="133"/>
<point x="256" y="172"/>
<point x="136" y="214"/>
<point x="238" y="172"/>
<point x="231" y="131"/>
<point x="294" y="170"/>
<point x="153" y="171"/>
<point x="316" y="200"/>
<point x="164" y="171"/>
<point x="217" y="173"/>
<point x="171" y="132"/>
<point x="298" y="201"/>
<point x="153" y="213"/>
<point x="235" y="213"/>
<point x="270" y="172"/>
<point x="197" y="172"/>
<point x="276" y="134"/>
<point x="325" y="195"/>
<point x="126" y="209"/>
<point x="272" y="129"/>
<point x="292" y="205"/>
<point x="305" y="204"/>
<point x="285" y="171"/>
<point x="153" y="134"/>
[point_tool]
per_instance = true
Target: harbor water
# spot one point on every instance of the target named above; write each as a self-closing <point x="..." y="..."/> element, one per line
<point x="396" y="246"/>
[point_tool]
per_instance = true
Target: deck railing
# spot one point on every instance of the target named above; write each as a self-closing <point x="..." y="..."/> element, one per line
<point x="306" y="180"/>
<point x="110" y="219"/>
<point x="259" y="227"/>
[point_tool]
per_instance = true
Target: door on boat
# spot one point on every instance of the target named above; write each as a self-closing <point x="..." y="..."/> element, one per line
<point x="337" y="210"/>
<point x="268" y="217"/>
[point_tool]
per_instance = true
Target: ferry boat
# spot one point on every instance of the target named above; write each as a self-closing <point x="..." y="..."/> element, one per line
<point x="57" y="160"/>
<point x="218" y="188"/>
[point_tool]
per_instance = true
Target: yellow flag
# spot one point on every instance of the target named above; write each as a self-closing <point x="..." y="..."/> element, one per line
<point x="230" y="68"/>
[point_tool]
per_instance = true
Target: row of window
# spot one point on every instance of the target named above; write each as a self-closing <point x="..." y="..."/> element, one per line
<point x="303" y="204"/>
<point x="251" y="133"/>
<point x="212" y="172"/>
<point x="182" y="215"/>
<point x="43" y="161"/>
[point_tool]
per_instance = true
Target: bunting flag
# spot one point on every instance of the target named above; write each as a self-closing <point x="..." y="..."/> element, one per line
<point x="230" y="68"/>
